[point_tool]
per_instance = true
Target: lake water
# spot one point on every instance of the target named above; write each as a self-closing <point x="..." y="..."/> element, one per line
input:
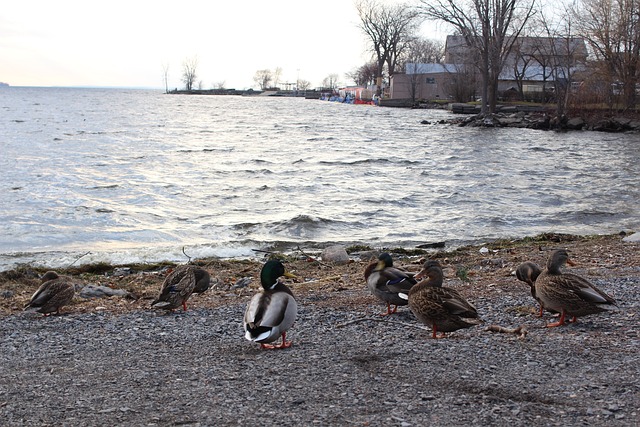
<point x="123" y="176"/>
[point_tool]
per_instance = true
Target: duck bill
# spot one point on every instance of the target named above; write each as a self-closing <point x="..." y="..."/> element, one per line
<point x="571" y="262"/>
<point x="290" y="275"/>
<point x="419" y="275"/>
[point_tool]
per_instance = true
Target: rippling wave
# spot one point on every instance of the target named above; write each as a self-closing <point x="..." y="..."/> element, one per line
<point x="129" y="176"/>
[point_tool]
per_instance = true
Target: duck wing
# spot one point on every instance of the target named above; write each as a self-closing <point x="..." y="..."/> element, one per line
<point x="395" y="280"/>
<point x="41" y="296"/>
<point x="586" y="290"/>
<point x="455" y="304"/>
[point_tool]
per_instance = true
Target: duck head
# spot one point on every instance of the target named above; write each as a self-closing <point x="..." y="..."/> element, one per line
<point x="384" y="261"/>
<point x="271" y="272"/>
<point x="557" y="259"/>
<point x="432" y="271"/>
<point x="49" y="275"/>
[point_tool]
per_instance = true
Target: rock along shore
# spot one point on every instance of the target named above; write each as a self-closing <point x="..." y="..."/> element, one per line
<point x="534" y="118"/>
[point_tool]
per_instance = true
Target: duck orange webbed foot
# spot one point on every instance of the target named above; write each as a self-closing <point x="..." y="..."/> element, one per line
<point x="560" y="321"/>
<point x="389" y="310"/>
<point x="284" y="344"/>
<point x="276" y="346"/>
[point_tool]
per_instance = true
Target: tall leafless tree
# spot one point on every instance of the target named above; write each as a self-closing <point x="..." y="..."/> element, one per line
<point x="276" y="75"/>
<point x="304" y="84"/>
<point x="561" y="52"/>
<point x="522" y="61"/>
<point x="189" y="69"/>
<point x="423" y="50"/>
<point x="488" y="26"/>
<point x="365" y="75"/>
<point x="165" y="76"/>
<point x="612" y="29"/>
<point x="388" y="28"/>
<point x="331" y="81"/>
<point x="263" y="78"/>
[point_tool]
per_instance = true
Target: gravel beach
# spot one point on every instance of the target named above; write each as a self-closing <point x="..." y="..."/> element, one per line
<point x="116" y="362"/>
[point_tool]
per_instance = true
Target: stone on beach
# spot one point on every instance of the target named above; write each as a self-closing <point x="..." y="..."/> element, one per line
<point x="95" y="291"/>
<point x="635" y="237"/>
<point x="336" y="254"/>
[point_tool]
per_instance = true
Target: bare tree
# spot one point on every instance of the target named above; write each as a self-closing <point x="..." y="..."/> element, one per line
<point x="219" y="85"/>
<point x="389" y="28"/>
<point x="488" y="26"/>
<point x="522" y="62"/>
<point x="304" y="84"/>
<point x="189" y="68"/>
<point x="263" y="78"/>
<point x="165" y="76"/>
<point x="422" y="50"/>
<point x="561" y="52"/>
<point x="403" y="25"/>
<point x="276" y="75"/>
<point x="542" y="55"/>
<point x="364" y="75"/>
<point x="612" y="29"/>
<point x="331" y="81"/>
<point x="464" y="84"/>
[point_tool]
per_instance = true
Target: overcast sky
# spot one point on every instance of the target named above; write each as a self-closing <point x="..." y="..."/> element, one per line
<point x="126" y="43"/>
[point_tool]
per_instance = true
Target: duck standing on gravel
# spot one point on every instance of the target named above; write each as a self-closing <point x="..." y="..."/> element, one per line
<point x="54" y="293"/>
<point x="179" y="285"/>
<point x="528" y="272"/>
<point x="271" y="312"/>
<point x="569" y="294"/>
<point x="441" y="308"/>
<point x="386" y="282"/>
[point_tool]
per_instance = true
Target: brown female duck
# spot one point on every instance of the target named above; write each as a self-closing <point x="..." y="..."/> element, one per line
<point x="386" y="282"/>
<point x="54" y="293"/>
<point x="443" y="309"/>
<point x="179" y="285"/>
<point x="568" y="294"/>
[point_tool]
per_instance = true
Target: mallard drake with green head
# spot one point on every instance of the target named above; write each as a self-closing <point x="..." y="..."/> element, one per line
<point x="179" y="285"/>
<point x="569" y="294"/>
<point x="528" y="272"/>
<point x="441" y="308"/>
<point x="386" y="282"/>
<point x="54" y="293"/>
<point x="271" y="312"/>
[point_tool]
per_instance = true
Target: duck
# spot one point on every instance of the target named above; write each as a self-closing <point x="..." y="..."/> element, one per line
<point x="441" y="308"/>
<point x="528" y="272"/>
<point x="54" y="293"/>
<point x="386" y="282"/>
<point x="179" y="285"/>
<point x="567" y="293"/>
<point x="272" y="311"/>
